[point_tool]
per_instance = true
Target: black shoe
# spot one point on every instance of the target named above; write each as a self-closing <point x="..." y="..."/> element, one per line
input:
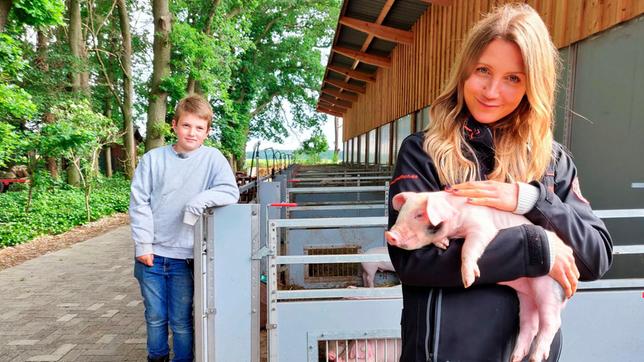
<point x="159" y="359"/>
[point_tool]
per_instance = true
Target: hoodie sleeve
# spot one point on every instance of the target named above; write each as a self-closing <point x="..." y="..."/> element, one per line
<point x="568" y="214"/>
<point x="141" y="219"/>
<point x="515" y="252"/>
<point x="222" y="190"/>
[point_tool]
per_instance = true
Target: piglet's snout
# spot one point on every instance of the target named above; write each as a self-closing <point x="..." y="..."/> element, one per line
<point x="393" y="237"/>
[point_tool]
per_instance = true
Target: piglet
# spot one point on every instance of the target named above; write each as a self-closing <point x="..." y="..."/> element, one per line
<point x="365" y="350"/>
<point x="374" y="350"/>
<point x="434" y="217"/>
<point x="369" y="269"/>
<point x="336" y="350"/>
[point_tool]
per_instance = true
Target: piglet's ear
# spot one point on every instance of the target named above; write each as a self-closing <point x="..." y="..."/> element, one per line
<point x="399" y="200"/>
<point x="438" y="209"/>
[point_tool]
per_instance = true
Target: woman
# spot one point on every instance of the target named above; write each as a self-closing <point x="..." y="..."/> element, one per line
<point x="490" y="140"/>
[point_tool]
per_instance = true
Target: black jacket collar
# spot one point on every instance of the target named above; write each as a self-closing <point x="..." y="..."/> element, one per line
<point x="479" y="137"/>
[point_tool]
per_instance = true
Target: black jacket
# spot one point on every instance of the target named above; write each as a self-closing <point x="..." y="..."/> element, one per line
<point x="442" y="321"/>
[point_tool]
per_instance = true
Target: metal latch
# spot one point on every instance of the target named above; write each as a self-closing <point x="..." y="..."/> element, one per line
<point x="261" y="253"/>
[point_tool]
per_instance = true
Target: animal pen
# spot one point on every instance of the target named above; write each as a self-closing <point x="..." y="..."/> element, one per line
<point x="307" y="235"/>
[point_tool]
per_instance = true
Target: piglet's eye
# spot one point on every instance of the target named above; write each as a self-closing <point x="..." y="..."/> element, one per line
<point x="419" y="216"/>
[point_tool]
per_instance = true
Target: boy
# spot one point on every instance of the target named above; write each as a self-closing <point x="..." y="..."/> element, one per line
<point x="172" y="186"/>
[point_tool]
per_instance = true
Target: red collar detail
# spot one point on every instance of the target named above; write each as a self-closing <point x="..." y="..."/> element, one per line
<point x="403" y="177"/>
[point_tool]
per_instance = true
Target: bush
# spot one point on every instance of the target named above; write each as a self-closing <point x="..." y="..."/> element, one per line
<point x="55" y="210"/>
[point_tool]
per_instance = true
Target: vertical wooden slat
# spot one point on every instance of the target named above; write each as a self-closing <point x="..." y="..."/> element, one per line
<point x="609" y="13"/>
<point x="591" y="17"/>
<point x="574" y="20"/>
<point x="560" y="23"/>
<point x="625" y="9"/>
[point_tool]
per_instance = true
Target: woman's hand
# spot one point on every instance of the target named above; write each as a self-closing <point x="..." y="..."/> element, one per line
<point x="564" y="270"/>
<point x="499" y="195"/>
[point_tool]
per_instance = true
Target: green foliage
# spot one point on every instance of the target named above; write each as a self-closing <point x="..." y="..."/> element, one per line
<point x="11" y="62"/>
<point x="78" y="135"/>
<point x="282" y="72"/>
<point x="15" y="104"/>
<point x="206" y="47"/>
<point x="57" y="209"/>
<point x="77" y="132"/>
<point x="39" y="12"/>
<point x="11" y="142"/>
<point x="312" y="147"/>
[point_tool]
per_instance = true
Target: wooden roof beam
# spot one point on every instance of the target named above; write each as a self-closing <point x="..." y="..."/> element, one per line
<point x="325" y="104"/>
<point x="332" y="100"/>
<point x="379" y="31"/>
<point x="355" y="74"/>
<point x="346" y="85"/>
<point x="341" y="95"/>
<point x="328" y="111"/>
<point x="364" y="57"/>
<point x="437" y="2"/>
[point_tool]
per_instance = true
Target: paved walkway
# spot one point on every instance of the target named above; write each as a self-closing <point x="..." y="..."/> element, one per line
<point x="77" y="304"/>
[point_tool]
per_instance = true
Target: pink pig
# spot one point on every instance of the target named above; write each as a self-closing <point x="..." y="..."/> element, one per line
<point x="365" y="350"/>
<point x="433" y="217"/>
<point x="369" y="268"/>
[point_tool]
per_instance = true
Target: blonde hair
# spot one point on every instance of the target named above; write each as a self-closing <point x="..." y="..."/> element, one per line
<point x="195" y="105"/>
<point x="522" y="139"/>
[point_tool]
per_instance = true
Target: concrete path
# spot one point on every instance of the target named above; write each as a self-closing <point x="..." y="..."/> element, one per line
<point x="76" y="304"/>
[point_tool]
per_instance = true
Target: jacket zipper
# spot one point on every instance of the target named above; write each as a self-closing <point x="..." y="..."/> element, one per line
<point x="430" y="301"/>
<point x="432" y="313"/>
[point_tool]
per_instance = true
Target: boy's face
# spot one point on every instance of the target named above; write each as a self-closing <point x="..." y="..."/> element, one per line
<point x="191" y="131"/>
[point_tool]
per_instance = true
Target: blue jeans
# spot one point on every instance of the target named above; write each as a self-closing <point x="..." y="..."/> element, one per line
<point x="167" y="289"/>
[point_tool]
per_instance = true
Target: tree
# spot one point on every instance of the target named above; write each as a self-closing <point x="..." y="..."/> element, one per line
<point x="281" y="70"/>
<point x="37" y="13"/>
<point x="114" y="66"/>
<point x="160" y="69"/>
<point x="79" y="74"/>
<point x="5" y="6"/>
<point x="312" y="147"/>
<point x="16" y="105"/>
<point x="128" y="89"/>
<point x="10" y="141"/>
<point x="78" y="134"/>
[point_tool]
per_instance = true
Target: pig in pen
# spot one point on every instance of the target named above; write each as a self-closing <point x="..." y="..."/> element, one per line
<point x="360" y="350"/>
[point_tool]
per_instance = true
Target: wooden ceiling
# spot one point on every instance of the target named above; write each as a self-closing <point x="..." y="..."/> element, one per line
<point x="367" y="32"/>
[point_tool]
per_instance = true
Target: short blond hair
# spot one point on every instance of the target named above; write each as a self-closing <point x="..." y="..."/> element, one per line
<point x="196" y="105"/>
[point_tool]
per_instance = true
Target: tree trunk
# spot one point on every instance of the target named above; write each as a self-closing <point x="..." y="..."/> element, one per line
<point x="128" y="90"/>
<point x="336" y="147"/>
<point x="42" y="62"/>
<point x="73" y="177"/>
<point x="108" y="149"/>
<point x="160" y="69"/>
<point x="108" y="161"/>
<point x="75" y="40"/>
<point x="5" y="6"/>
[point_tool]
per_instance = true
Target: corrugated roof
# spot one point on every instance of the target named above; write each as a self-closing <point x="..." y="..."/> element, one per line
<point x="354" y="43"/>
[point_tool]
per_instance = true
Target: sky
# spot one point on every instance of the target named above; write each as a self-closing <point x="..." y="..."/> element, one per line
<point x="294" y="141"/>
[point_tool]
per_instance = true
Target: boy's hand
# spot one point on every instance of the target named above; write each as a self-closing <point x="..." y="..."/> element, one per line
<point x="147" y="259"/>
